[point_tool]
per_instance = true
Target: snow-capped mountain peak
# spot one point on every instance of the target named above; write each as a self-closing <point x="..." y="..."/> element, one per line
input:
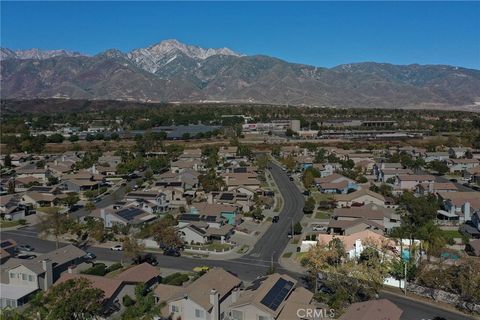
<point x="158" y="55"/>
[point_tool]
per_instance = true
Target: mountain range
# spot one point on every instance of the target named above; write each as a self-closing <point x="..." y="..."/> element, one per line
<point x="171" y="71"/>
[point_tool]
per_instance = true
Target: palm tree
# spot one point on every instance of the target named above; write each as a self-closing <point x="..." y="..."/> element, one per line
<point x="433" y="240"/>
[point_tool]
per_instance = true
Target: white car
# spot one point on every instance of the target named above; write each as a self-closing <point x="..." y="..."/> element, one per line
<point x="117" y="247"/>
<point x="319" y="228"/>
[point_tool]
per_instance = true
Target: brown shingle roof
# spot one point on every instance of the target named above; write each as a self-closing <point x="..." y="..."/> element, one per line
<point x="141" y="273"/>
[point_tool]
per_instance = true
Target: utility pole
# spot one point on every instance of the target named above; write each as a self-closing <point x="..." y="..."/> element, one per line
<point x="405" y="282"/>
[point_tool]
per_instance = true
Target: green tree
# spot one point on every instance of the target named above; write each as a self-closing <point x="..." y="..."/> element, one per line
<point x="433" y="240"/>
<point x="165" y="234"/>
<point x="72" y="299"/>
<point x="309" y="205"/>
<point x="297" y="228"/>
<point x="55" y="223"/>
<point x="8" y="160"/>
<point x="132" y="247"/>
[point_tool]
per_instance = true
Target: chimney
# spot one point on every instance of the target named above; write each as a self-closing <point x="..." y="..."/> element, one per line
<point x="466" y="211"/>
<point x="103" y="215"/>
<point x="235" y="295"/>
<point x="72" y="269"/>
<point x="48" y="279"/>
<point x="430" y="187"/>
<point x="214" y="301"/>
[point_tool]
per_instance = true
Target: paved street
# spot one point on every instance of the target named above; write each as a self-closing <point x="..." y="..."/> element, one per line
<point x="256" y="263"/>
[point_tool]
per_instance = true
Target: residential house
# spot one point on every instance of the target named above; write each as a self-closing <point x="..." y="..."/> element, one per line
<point x="208" y="297"/>
<point x="116" y="288"/>
<point x="200" y="232"/>
<point x="228" y="152"/>
<point x="174" y="192"/>
<point x="182" y="165"/>
<point x="24" y="183"/>
<point x="457" y="152"/>
<point x="127" y="216"/>
<point x="243" y="201"/>
<point x="436" y="156"/>
<point x="188" y="179"/>
<point x="410" y="181"/>
<point x="359" y="197"/>
<point x="11" y="208"/>
<point x="191" y="154"/>
<point x="355" y="243"/>
<point x="435" y="187"/>
<point x="304" y="162"/>
<point x="248" y="179"/>
<point x="157" y="199"/>
<point x="43" y="271"/>
<point x="272" y="297"/>
<point x="43" y="196"/>
<point x="228" y="212"/>
<point x="7" y="249"/>
<point x="335" y="183"/>
<point x="346" y="221"/>
<point x="461" y="165"/>
<point x="462" y="204"/>
<point x="386" y="175"/>
<point x="372" y="310"/>
<point x="31" y="170"/>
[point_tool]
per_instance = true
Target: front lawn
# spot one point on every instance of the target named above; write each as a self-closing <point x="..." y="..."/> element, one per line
<point x="48" y="209"/>
<point x="318" y="196"/>
<point x="322" y="215"/>
<point x="8" y="224"/>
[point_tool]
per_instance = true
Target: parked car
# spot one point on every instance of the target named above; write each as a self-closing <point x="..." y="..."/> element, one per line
<point x="171" y="252"/>
<point x="26" y="247"/>
<point x="275" y="219"/>
<point x="289" y="234"/>
<point x="149" y="258"/>
<point x="97" y="199"/>
<point x="319" y="228"/>
<point x="306" y="193"/>
<point x="117" y="247"/>
<point x="291" y="178"/>
<point x="453" y="180"/>
<point x="89" y="256"/>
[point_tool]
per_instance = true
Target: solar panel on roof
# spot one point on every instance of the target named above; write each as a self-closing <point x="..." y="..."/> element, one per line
<point x="129" y="213"/>
<point x="5" y="243"/>
<point x="240" y="170"/>
<point x="227" y="196"/>
<point x="277" y="294"/>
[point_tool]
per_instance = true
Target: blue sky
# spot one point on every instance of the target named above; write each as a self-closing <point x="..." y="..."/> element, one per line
<point x="316" y="33"/>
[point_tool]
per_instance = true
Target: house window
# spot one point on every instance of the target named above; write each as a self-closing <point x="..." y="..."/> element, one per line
<point x="198" y="313"/>
<point x="30" y="278"/>
<point x="237" y="315"/>
<point x="24" y="277"/>
<point x="12" y="275"/>
<point x="175" y="309"/>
